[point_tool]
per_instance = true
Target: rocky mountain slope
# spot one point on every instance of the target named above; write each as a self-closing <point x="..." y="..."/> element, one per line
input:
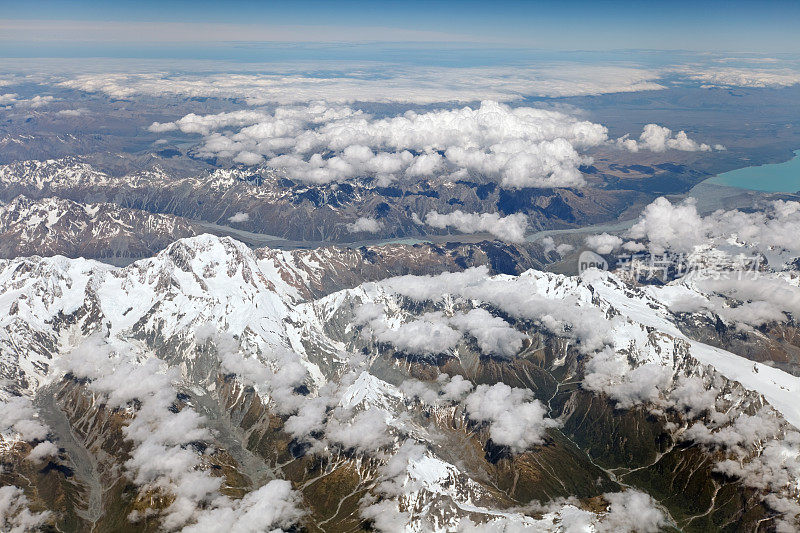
<point x="104" y="231"/>
<point x="262" y="200"/>
<point x="216" y="387"/>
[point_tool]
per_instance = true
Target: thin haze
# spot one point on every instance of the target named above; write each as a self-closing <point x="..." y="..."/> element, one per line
<point x="34" y="28"/>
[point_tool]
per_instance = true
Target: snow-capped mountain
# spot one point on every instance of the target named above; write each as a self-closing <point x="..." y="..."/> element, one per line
<point x="213" y="384"/>
<point x="267" y="202"/>
<point x="54" y="226"/>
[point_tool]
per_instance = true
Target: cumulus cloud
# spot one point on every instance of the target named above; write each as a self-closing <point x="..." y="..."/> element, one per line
<point x="162" y="458"/>
<point x="320" y="143"/>
<point x="72" y="112"/>
<point x="671" y="226"/>
<point x="429" y="334"/>
<point x="239" y="217"/>
<point x="519" y="297"/>
<point x="8" y="98"/>
<point x="630" y="511"/>
<point x="515" y="419"/>
<point x="746" y="430"/>
<point x="42" y="451"/>
<point x="509" y="228"/>
<point x="455" y="388"/>
<point x="494" y="335"/>
<point x="773" y="228"/>
<point x="310" y="417"/>
<point x="13" y="99"/>
<point x="434" y="333"/>
<point x="18" y="414"/>
<point x="693" y="396"/>
<point x="365" y="432"/>
<point x="36" y="101"/>
<point x="276" y="376"/>
<point x="549" y="245"/>
<point x="246" y="157"/>
<point x="423" y="391"/>
<point x="15" y="516"/>
<point x="760" y="451"/>
<point x="610" y="373"/>
<point x="679" y="227"/>
<point x="386" y="516"/>
<point x="444" y="391"/>
<point x="759" y="299"/>
<point x="603" y="243"/>
<point x="365" y="224"/>
<point x="660" y="139"/>
<point x="272" y="507"/>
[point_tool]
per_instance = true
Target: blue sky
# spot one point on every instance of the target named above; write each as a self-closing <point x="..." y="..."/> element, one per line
<point x="744" y="26"/>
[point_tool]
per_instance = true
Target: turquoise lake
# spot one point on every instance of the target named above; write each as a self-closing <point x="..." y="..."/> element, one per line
<point x="780" y="177"/>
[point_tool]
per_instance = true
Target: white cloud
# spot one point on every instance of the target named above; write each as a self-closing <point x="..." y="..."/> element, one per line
<point x="603" y="243"/>
<point x="386" y="516"/>
<point x="15" y="516"/>
<point x="365" y="224"/>
<point x="394" y="474"/>
<point x="519" y="297"/>
<point x="72" y="112"/>
<point x="455" y="388"/>
<point x="36" y="101"/>
<point x="693" y="395"/>
<point x="434" y="333"/>
<point x="762" y="299"/>
<point x="743" y="77"/>
<point x="239" y="217"/>
<point x="13" y="99"/>
<point x="159" y="127"/>
<point x="519" y="147"/>
<point x="610" y="373"/>
<point x="429" y="334"/>
<point x="248" y="158"/>
<point x="8" y="99"/>
<point x="564" y="248"/>
<point x="746" y="430"/>
<point x="43" y="450"/>
<point x="509" y="228"/>
<point x="162" y="459"/>
<point x="311" y="417"/>
<point x="18" y="414"/>
<point x="549" y="245"/>
<point x="679" y="227"/>
<point x="632" y="511"/>
<point x="670" y="226"/>
<point x="273" y="506"/>
<point x="387" y="83"/>
<point x="494" y="335"/>
<point x="515" y="419"/>
<point x="365" y="432"/>
<point x="660" y="139"/>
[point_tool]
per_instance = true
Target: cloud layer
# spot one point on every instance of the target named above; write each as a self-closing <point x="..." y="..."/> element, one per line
<point x="519" y="147"/>
<point x="388" y="83"/>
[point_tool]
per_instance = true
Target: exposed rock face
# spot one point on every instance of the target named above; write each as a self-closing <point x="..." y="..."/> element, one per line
<point x="277" y="206"/>
<point x="54" y="226"/>
<point x="242" y="368"/>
